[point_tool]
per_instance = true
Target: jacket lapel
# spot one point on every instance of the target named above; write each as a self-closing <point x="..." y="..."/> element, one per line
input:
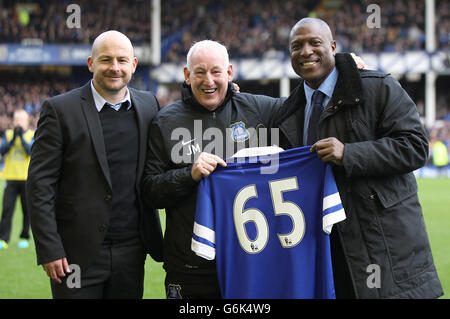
<point x="140" y="117"/>
<point x="95" y="130"/>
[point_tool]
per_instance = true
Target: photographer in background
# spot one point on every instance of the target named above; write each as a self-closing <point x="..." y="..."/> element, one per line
<point x="16" y="147"/>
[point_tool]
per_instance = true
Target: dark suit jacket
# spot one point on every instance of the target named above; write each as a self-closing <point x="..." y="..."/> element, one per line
<point x="69" y="184"/>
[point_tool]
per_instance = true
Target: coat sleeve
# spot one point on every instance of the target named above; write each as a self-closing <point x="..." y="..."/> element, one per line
<point x="401" y="144"/>
<point x="268" y="108"/>
<point x="5" y="146"/>
<point x="42" y="183"/>
<point x="163" y="184"/>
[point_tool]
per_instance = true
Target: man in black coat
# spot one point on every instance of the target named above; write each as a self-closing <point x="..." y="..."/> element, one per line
<point x="366" y="125"/>
<point x="188" y="139"/>
<point x="84" y="176"/>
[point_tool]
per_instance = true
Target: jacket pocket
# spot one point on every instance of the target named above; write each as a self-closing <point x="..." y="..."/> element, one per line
<point x="400" y="219"/>
<point x="394" y="189"/>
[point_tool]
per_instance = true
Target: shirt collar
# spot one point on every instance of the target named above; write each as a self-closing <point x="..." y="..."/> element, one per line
<point x="100" y="101"/>
<point x="327" y="86"/>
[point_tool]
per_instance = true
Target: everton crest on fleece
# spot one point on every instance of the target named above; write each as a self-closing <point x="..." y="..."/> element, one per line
<point x="239" y="132"/>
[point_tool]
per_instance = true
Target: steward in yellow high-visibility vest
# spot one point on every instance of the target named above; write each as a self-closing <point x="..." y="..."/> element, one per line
<point x="440" y="154"/>
<point x="440" y="157"/>
<point x="17" y="157"/>
<point x="16" y="148"/>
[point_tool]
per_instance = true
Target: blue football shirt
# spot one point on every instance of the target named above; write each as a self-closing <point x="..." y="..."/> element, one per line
<point x="266" y="220"/>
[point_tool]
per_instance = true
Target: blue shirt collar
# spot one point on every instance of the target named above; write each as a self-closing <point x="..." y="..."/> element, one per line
<point x="100" y="101"/>
<point x="327" y="86"/>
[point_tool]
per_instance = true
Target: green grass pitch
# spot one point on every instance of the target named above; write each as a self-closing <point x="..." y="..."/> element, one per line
<point x="21" y="278"/>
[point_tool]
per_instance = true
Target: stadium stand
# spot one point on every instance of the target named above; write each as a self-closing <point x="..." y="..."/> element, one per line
<point x="46" y="20"/>
<point x="248" y="28"/>
<point x="261" y="28"/>
<point x="253" y="28"/>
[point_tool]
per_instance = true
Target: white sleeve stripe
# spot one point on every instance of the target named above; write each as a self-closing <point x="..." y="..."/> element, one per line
<point x="331" y="219"/>
<point x="331" y="200"/>
<point x="204" y="232"/>
<point x="203" y="250"/>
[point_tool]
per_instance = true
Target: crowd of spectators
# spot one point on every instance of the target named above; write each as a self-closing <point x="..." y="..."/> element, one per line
<point x="401" y="26"/>
<point x="261" y="28"/>
<point x="47" y="20"/>
<point x="17" y="92"/>
<point x="248" y="28"/>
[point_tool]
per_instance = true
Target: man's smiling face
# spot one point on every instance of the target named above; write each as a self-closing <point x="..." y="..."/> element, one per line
<point x="208" y="75"/>
<point x="112" y="63"/>
<point x="312" y="51"/>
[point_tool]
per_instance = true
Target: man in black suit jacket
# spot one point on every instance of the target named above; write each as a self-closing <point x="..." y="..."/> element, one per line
<point x="84" y="176"/>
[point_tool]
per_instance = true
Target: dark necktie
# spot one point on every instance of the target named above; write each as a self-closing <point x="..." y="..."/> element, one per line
<point x="316" y="102"/>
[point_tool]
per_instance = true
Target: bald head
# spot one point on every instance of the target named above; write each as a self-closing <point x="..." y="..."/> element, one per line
<point x="111" y="36"/>
<point x="112" y="63"/>
<point x="318" y="23"/>
<point x="207" y="46"/>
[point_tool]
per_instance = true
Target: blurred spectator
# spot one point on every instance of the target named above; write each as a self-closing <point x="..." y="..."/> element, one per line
<point x="16" y="147"/>
<point x="167" y="94"/>
<point x="440" y="144"/>
<point x="440" y="157"/>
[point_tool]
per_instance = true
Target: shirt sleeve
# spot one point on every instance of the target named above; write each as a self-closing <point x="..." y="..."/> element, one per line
<point x="163" y="184"/>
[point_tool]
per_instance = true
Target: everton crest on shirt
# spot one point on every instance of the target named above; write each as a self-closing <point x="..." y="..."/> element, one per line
<point x="266" y="220"/>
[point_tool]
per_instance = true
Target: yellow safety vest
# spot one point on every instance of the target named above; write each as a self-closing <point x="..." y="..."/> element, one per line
<point x="17" y="159"/>
<point x="440" y="154"/>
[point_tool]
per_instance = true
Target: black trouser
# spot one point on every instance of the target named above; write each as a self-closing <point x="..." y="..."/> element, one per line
<point x="12" y="190"/>
<point x="192" y="286"/>
<point x="117" y="272"/>
<point x="342" y="280"/>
